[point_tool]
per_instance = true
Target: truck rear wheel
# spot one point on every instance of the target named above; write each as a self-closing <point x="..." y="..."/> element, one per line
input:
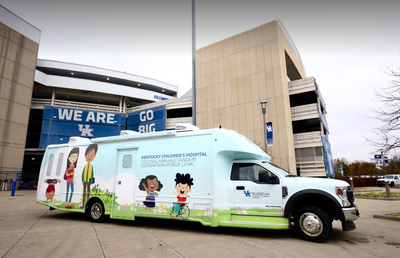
<point x="95" y="211"/>
<point x="313" y="224"/>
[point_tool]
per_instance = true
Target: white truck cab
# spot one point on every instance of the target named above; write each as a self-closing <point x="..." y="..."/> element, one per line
<point x="215" y="177"/>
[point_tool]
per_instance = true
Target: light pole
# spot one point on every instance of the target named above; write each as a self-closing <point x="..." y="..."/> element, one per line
<point x="263" y="105"/>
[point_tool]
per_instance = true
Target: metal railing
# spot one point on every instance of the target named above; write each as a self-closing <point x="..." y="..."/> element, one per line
<point x="307" y="137"/>
<point x="6" y="179"/>
<point x="304" y="110"/>
<point x="73" y="104"/>
<point x="302" y="84"/>
<point x="311" y="168"/>
<point x="169" y="104"/>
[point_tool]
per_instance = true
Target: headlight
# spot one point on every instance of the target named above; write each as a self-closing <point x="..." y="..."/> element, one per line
<point x="342" y="193"/>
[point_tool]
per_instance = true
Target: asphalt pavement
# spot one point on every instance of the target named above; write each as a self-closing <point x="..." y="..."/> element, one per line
<point x="28" y="229"/>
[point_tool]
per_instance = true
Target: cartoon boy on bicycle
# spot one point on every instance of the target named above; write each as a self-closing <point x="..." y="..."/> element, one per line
<point x="183" y="187"/>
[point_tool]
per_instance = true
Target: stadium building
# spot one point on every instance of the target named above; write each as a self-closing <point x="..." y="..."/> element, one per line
<point x="45" y="101"/>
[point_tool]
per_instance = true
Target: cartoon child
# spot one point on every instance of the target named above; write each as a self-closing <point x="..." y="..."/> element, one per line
<point x="51" y="189"/>
<point x="150" y="184"/>
<point x="69" y="174"/>
<point x="88" y="172"/>
<point x="183" y="188"/>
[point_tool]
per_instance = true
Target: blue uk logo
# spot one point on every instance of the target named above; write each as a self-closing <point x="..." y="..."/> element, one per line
<point x="247" y="193"/>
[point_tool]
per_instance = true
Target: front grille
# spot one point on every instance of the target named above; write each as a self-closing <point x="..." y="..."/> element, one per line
<point x="350" y="195"/>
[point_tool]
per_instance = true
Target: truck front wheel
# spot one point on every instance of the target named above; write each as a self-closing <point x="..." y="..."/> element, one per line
<point x="95" y="211"/>
<point x="313" y="224"/>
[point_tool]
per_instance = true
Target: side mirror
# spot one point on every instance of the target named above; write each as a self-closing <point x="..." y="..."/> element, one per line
<point x="265" y="177"/>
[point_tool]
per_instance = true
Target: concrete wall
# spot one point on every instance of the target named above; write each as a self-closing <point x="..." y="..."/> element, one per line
<point x="234" y="75"/>
<point x="18" y="55"/>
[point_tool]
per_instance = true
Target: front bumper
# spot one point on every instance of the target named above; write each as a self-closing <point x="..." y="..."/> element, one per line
<point x="350" y="215"/>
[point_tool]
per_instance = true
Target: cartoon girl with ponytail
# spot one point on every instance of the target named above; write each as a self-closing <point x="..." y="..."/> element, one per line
<point x="69" y="174"/>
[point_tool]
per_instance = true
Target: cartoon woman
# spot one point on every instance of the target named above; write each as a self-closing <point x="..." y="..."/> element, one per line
<point x="183" y="186"/>
<point x="150" y="184"/>
<point x="69" y="174"/>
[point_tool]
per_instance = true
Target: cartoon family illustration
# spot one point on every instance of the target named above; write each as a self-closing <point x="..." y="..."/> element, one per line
<point x="69" y="176"/>
<point x="183" y="186"/>
<point x="150" y="184"/>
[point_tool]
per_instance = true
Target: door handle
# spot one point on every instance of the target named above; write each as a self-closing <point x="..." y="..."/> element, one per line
<point x="239" y="187"/>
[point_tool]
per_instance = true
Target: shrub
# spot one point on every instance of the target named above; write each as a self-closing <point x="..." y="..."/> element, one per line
<point x="361" y="181"/>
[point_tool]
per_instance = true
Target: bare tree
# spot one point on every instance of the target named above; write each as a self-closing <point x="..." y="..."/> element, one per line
<point x="389" y="112"/>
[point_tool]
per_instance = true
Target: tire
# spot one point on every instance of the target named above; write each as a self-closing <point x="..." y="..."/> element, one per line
<point x="313" y="224"/>
<point x="392" y="184"/>
<point x="185" y="212"/>
<point x="95" y="211"/>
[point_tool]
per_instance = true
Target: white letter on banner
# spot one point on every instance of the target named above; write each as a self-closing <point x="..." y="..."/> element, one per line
<point x="150" y="115"/>
<point x="142" y="117"/>
<point x="65" y="113"/>
<point x="77" y="115"/>
<point x="101" y="116"/>
<point x="142" y="129"/>
<point x="110" y="118"/>
<point x="91" y="117"/>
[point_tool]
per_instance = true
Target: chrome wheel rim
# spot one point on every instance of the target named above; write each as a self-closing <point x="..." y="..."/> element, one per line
<point x="311" y="224"/>
<point x="96" y="211"/>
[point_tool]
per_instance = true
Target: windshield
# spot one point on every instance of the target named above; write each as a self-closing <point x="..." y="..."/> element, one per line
<point x="277" y="169"/>
<point x="389" y="177"/>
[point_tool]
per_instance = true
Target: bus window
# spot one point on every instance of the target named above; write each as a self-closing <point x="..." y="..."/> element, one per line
<point x="59" y="163"/>
<point x="127" y="161"/>
<point x="48" y="172"/>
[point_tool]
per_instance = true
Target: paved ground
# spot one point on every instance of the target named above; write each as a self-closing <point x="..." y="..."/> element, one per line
<point x="28" y="229"/>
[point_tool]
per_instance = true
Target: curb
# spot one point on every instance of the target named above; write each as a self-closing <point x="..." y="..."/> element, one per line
<point x="375" y="198"/>
<point x="386" y="217"/>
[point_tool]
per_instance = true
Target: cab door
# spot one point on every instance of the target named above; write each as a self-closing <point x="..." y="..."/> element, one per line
<point x="124" y="192"/>
<point x="252" y="197"/>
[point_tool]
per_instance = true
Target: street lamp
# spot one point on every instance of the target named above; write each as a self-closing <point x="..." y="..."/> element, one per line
<point x="263" y="105"/>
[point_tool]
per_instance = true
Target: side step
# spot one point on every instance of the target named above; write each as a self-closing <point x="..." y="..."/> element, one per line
<point x="246" y="221"/>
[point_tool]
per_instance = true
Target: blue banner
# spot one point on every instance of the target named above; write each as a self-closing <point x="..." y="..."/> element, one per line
<point x="269" y="133"/>
<point x="328" y="157"/>
<point x="60" y="123"/>
<point x="148" y="120"/>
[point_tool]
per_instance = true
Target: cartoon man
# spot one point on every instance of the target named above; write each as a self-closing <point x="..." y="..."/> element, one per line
<point x="150" y="184"/>
<point x="88" y="172"/>
<point x="183" y="188"/>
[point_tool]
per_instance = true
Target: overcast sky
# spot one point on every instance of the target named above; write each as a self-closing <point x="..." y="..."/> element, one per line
<point x="343" y="44"/>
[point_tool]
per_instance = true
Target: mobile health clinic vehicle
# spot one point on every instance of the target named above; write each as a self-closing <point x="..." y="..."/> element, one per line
<point x="216" y="177"/>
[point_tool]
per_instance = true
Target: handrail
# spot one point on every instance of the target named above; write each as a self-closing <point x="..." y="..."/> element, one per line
<point x="74" y="104"/>
<point x="305" y="109"/>
<point x="307" y="137"/>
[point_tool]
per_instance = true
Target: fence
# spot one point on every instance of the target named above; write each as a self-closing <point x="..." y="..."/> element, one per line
<point x="6" y="179"/>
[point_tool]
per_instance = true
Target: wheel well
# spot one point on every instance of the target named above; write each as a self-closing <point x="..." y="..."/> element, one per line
<point x="90" y="202"/>
<point x="315" y="198"/>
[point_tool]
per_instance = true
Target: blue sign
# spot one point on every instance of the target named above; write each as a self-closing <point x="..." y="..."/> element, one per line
<point x="270" y="136"/>
<point x="328" y="157"/>
<point x="148" y="120"/>
<point x="60" y="123"/>
<point x="386" y="160"/>
<point x="378" y="160"/>
<point x="159" y="97"/>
